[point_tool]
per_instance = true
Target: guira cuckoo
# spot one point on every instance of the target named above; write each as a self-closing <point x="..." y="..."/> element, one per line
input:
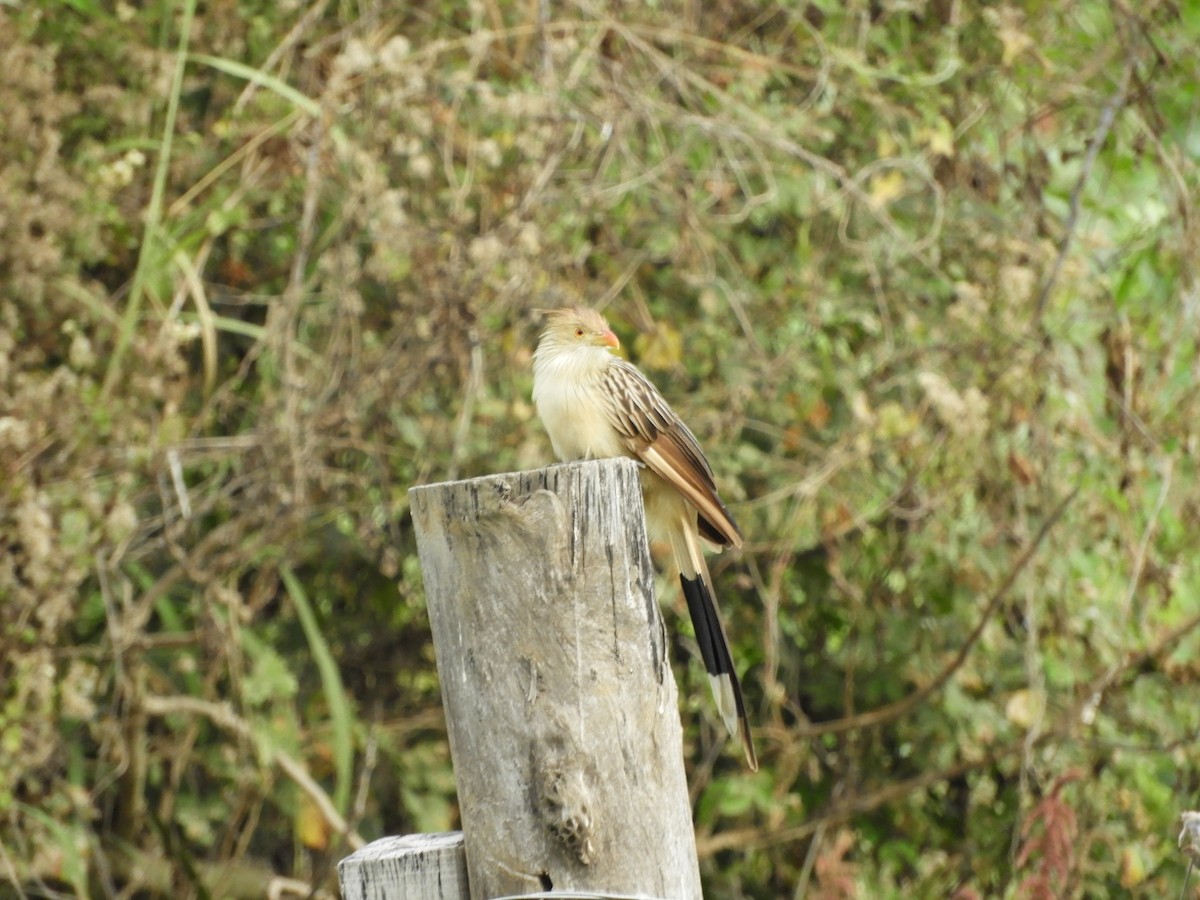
<point x="596" y="405"/>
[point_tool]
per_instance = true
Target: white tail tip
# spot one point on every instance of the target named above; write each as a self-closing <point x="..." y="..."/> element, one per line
<point x="722" y="688"/>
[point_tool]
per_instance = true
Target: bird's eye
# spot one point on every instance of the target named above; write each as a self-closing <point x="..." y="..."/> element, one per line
<point x="578" y="332"/>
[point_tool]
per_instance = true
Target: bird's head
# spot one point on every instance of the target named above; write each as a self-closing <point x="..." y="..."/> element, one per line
<point x="577" y="326"/>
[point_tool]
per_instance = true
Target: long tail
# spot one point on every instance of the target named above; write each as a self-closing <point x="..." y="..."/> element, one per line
<point x="710" y="634"/>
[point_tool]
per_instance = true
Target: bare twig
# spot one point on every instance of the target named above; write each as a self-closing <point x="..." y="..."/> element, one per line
<point x="466" y="413"/>
<point x="311" y="16"/>
<point x="1108" y="115"/>
<point x="1088" y="714"/>
<point x="758" y="837"/>
<point x="284" y="322"/>
<point x="900" y="707"/>
<point x="363" y="794"/>
<point x="746" y="839"/>
<point x="1131" y="663"/>
<point x="10" y="873"/>
<point x="814" y="849"/>
<point x="223" y="715"/>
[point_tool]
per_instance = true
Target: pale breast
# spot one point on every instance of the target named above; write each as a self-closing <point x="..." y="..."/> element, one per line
<point x="575" y="420"/>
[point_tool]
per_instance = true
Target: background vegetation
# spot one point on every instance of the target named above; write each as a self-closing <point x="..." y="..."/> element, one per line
<point x="921" y="275"/>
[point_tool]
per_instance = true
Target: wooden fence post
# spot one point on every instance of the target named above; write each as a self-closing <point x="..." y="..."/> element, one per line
<point x="560" y="701"/>
<point x="411" y="867"/>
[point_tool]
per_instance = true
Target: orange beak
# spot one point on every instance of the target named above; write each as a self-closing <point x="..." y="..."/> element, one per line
<point x="608" y="339"/>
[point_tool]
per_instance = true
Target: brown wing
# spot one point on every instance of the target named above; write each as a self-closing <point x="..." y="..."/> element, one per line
<point x="659" y="438"/>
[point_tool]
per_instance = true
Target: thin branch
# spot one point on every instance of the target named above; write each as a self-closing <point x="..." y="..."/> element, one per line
<point x="1090" y="705"/>
<point x="1108" y="115"/>
<point x="223" y="716"/>
<point x="285" y="315"/>
<point x="757" y="838"/>
<point x="10" y="872"/>
<point x="900" y="707"/>
<point x="466" y="413"/>
<point x="1088" y="713"/>
<point x="290" y="40"/>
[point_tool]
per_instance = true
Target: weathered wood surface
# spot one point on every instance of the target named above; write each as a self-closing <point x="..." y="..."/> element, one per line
<point x="412" y="867"/>
<point x="560" y="701"/>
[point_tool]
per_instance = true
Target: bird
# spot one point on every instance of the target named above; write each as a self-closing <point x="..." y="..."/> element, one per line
<point x="596" y="405"/>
